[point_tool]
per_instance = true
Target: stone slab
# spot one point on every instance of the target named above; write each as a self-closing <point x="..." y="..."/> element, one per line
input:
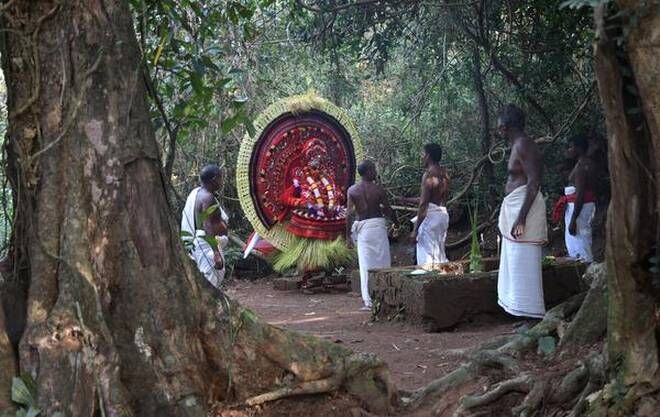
<point x="441" y="301"/>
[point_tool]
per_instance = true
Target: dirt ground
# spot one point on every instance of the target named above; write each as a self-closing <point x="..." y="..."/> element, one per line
<point x="415" y="357"/>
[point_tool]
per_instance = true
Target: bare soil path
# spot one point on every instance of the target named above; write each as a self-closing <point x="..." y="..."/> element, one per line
<point x="414" y="356"/>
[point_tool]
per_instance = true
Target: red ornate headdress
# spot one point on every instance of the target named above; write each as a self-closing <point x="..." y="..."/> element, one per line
<point x="302" y="140"/>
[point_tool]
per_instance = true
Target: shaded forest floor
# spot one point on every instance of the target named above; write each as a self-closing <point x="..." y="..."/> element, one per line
<point x="414" y="356"/>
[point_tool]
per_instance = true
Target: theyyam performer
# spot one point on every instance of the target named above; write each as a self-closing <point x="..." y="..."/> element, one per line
<point x="292" y="176"/>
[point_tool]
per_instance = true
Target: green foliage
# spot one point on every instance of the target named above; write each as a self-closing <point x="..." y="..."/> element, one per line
<point x="24" y="394"/>
<point x="404" y="71"/>
<point x="476" y="265"/>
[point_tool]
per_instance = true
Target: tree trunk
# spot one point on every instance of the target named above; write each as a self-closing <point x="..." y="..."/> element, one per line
<point x="630" y="93"/>
<point x="117" y="319"/>
<point x="7" y="364"/>
<point x="488" y="179"/>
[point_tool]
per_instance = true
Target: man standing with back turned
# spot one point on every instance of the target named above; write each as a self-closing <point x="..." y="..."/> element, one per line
<point x="522" y="221"/>
<point x="369" y="201"/>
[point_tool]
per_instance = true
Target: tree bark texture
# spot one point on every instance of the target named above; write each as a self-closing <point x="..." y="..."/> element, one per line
<point x="629" y="82"/>
<point x="7" y="364"/>
<point x="117" y="318"/>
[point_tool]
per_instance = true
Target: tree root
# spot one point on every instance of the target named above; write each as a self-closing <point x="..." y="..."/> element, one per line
<point x="554" y="318"/>
<point x="518" y="384"/>
<point x="478" y="363"/>
<point x="314" y="387"/>
<point x="590" y="322"/>
<point x="569" y="391"/>
<point x="265" y="356"/>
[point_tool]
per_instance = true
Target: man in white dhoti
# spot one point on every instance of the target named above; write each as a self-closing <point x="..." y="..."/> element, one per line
<point x="369" y="201"/>
<point x="522" y="222"/>
<point x="580" y="201"/>
<point x="204" y="226"/>
<point x="432" y="220"/>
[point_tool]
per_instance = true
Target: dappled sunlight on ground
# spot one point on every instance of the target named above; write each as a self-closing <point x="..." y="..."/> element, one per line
<point x="414" y="356"/>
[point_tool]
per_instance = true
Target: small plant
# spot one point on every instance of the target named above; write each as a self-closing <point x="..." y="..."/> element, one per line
<point x="476" y="264"/>
<point x="24" y="394"/>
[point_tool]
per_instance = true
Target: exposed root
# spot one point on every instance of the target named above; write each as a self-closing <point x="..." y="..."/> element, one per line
<point x="596" y="378"/>
<point x="313" y="387"/>
<point x="568" y="391"/>
<point x="478" y="363"/>
<point x="532" y="401"/>
<point x="300" y="364"/>
<point x="590" y="322"/>
<point x="518" y="384"/>
<point x="553" y="319"/>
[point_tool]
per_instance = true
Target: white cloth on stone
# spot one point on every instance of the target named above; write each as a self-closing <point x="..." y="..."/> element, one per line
<point x="198" y="248"/>
<point x="520" y="279"/>
<point x="431" y="236"/>
<point x="579" y="246"/>
<point x="373" y="249"/>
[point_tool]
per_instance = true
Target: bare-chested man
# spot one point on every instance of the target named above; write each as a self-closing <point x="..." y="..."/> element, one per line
<point x="368" y="200"/>
<point x="581" y="199"/>
<point x="430" y="225"/>
<point x="204" y="220"/>
<point x="522" y="221"/>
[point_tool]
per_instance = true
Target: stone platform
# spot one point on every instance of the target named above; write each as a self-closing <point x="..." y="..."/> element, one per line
<point x="442" y="300"/>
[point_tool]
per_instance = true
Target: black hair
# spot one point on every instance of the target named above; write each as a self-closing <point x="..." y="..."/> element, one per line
<point x="580" y="141"/>
<point x="364" y="167"/>
<point x="434" y="151"/>
<point x="209" y="172"/>
<point x="512" y="116"/>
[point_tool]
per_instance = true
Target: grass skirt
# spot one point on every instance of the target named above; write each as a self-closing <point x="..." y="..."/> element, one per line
<point x="308" y="255"/>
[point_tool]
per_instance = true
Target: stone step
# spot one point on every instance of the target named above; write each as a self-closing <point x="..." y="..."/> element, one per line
<point x="441" y="301"/>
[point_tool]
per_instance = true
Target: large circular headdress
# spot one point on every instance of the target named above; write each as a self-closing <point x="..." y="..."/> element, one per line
<point x="283" y="135"/>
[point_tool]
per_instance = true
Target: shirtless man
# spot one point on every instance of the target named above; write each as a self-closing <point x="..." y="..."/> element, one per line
<point x="204" y="220"/>
<point x="580" y="199"/>
<point x="369" y="201"/>
<point x="522" y="221"/>
<point x="430" y="225"/>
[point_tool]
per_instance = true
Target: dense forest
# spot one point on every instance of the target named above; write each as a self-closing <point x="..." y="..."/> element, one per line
<point x="109" y="109"/>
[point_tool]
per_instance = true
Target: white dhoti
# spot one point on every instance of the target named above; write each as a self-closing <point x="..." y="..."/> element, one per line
<point x="579" y="246"/>
<point x="431" y="236"/>
<point x="520" y="279"/>
<point x="373" y="249"/>
<point x="198" y="248"/>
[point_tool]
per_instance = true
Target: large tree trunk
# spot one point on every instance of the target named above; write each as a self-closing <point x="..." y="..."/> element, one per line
<point x="7" y="364"/>
<point x="116" y="316"/>
<point x="628" y="78"/>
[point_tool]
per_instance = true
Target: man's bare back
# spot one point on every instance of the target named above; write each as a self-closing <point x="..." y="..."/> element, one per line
<point x="435" y="182"/>
<point x="367" y="198"/>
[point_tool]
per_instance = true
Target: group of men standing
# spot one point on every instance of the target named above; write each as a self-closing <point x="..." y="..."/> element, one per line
<point x="522" y="218"/>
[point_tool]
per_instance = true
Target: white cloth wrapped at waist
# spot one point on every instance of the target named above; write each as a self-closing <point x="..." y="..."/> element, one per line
<point x="536" y="226"/>
<point x="431" y="236"/>
<point x="579" y="246"/>
<point x="373" y="249"/>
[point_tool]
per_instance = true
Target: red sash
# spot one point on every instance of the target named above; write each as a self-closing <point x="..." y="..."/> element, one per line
<point x="560" y="206"/>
